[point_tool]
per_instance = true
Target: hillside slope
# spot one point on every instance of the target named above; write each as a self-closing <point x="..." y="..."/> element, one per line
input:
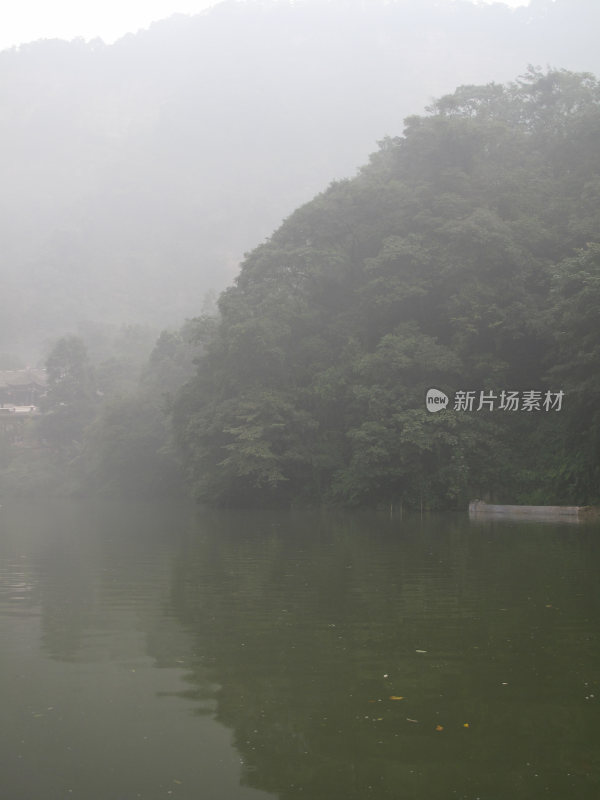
<point x="136" y="175"/>
<point x="463" y="257"/>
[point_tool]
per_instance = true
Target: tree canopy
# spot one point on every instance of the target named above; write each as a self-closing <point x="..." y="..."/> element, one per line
<point x="463" y="256"/>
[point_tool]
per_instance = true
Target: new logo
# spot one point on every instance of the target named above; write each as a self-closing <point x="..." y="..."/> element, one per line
<point x="435" y="400"/>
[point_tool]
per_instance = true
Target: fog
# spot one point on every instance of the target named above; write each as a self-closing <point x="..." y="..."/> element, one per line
<point x="240" y="557"/>
<point x="137" y="174"/>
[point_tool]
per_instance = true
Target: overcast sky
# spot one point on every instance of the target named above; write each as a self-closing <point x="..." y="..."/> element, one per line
<point x="28" y="20"/>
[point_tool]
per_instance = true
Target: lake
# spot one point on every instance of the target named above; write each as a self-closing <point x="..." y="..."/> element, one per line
<point x="165" y="651"/>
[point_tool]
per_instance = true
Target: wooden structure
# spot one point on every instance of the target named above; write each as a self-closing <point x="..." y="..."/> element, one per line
<point x="480" y="509"/>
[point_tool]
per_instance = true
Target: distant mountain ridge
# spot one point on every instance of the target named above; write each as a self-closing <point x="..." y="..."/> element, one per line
<point x="136" y="175"/>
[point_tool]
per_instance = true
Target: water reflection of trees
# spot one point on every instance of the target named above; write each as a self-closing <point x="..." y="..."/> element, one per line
<point x="97" y="577"/>
<point x="288" y="624"/>
<point x="309" y="624"/>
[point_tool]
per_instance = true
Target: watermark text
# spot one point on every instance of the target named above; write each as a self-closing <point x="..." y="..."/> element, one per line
<point x="508" y="401"/>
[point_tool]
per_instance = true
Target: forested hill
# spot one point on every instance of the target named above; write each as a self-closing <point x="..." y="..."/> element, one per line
<point x="135" y="175"/>
<point x="464" y="257"/>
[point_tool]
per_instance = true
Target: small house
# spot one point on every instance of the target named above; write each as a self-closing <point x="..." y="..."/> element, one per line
<point x="22" y="387"/>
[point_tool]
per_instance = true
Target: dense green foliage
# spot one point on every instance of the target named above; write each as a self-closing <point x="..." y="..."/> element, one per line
<point x="462" y="257"/>
<point x="104" y="426"/>
<point x="129" y="448"/>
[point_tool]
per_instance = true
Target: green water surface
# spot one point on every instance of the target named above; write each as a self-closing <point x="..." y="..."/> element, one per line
<point x="154" y="651"/>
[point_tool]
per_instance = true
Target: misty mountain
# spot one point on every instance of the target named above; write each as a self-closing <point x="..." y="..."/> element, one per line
<point x="464" y="257"/>
<point x="136" y="175"/>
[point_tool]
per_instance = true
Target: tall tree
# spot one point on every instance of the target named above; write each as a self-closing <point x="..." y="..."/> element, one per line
<point x="71" y="398"/>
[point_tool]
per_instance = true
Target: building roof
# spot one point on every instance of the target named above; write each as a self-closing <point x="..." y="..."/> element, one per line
<point x="22" y="378"/>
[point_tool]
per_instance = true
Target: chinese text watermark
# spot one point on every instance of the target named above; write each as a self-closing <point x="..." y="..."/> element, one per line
<point x="528" y="401"/>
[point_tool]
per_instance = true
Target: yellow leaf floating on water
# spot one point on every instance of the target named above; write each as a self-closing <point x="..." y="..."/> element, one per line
<point x="395" y="697"/>
<point x="439" y="727"/>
